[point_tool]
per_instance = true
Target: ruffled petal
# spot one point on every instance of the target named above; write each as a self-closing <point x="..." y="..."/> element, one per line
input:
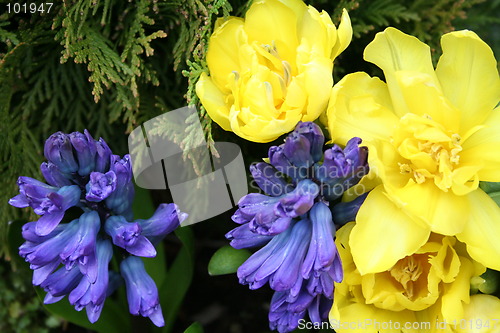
<point x="424" y="98"/>
<point x="468" y="74"/>
<point x="456" y="294"/>
<point x="444" y="212"/>
<point x="482" y="229"/>
<point x="344" y="35"/>
<point x="483" y="148"/>
<point x="360" y="106"/>
<point x="483" y="310"/>
<point x="393" y="51"/>
<point x="272" y="22"/>
<point x="259" y="129"/>
<point x="213" y="101"/>
<point x="318" y="82"/>
<point x="378" y="241"/>
<point x="223" y="49"/>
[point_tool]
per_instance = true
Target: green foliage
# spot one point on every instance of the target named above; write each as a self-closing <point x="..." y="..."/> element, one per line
<point x="227" y="260"/>
<point x="194" y="328"/>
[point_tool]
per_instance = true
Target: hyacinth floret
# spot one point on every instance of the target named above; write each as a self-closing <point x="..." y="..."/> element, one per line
<point x="293" y="223"/>
<point x="72" y="258"/>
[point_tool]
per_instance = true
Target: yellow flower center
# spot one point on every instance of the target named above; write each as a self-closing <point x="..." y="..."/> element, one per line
<point x="407" y="272"/>
<point x="432" y="152"/>
<point x="264" y="84"/>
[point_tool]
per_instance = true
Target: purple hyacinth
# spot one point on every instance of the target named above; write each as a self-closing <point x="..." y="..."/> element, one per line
<point x="92" y="294"/>
<point x="142" y="293"/>
<point x="72" y="258"/>
<point x="293" y="223"/>
<point x="100" y="186"/>
<point x="128" y="235"/>
<point x="272" y="215"/>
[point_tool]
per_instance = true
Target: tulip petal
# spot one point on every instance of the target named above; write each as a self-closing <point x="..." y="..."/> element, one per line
<point x="424" y="98"/>
<point x="482" y="229"/>
<point x="483" y="147"/>
<point x="344" y="35"/>
<point x="378" y="241"/>
<point x="444" y="212"/>
<point x="272" y="22"/>
<point x="259" y="129"/>
<point x="213" y="101"/>
<point x="360" y="106"/>
<point x="318" y="83"/>
<point x="468" y="74"/>
<point x="223" y="49"/>
<point x="393" y="51"/>
<point x="483" y="310"/>
<point x="457" y="293"/>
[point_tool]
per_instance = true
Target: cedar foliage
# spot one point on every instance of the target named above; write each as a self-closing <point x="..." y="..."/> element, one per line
<point x="110" y="65"/>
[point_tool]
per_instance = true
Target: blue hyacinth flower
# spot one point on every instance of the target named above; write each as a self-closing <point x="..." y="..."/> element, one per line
<point x="72" y="258"/>
<point x="294" y="224"/>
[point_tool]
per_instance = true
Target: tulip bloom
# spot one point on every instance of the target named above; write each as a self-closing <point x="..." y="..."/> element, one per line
<point x="272" y="69"/>
<point x="429" y="287"/>
<point x="432" y="136"/>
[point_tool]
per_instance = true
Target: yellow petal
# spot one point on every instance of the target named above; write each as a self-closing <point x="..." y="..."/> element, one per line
<point x="483" y="148"/>
<point x="272" y="23"/>
<point x="393" y="51"/>
<point x="383" y="234"/>
<point x="318" y="83"/>
<point x="446" y="262"/>
<point x="223" y="50"/>
<point x="314" y="34"/>
<point x="481" y="315"/>
<point x="349" y="317"/>
<point x="385" y="161"/>
<point x="360" y="106"/>
<point x="444" y="212"/>
<point x="257" y="128"/>
<point x="298" y="7"/>
<point x="424" y="98"/>
<point x="296" y="97"/>
<point x="468" y="74"/>
<point x="482" y="230"/>
<point x="456" y="294"/>
<point x="344" y="35"/>
<point x="351" y="273"/>
<point x="213" y="101"/>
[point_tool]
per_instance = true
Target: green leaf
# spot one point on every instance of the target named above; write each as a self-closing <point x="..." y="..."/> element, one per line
<point x="496" y="197"/>
<point x="194" y="328"/>
<point x="112" y="319"/>
<point x="489" y="187"/>
<point x="157" y="266"/>
<point x="142" y="206"/>
<point x="15" y="239"/>
<point x="178" y="278"/>
<point x="491" y="280"/>
<point x="227" y="260"/>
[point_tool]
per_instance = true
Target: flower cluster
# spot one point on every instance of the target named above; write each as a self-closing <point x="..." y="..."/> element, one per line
<point x="432" y="136"/>
<point x="272" y="69"/>
<point x="85" y="179"/>
<point x="293" y="221"/>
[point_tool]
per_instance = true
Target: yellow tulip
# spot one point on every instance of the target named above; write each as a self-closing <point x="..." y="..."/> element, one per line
<point x="432" y="136"/>
<point x="272" y="69"/>
<point x="425" y="292"/>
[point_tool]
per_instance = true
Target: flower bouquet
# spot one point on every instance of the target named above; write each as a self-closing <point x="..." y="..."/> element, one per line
<point x="359" y="199"/>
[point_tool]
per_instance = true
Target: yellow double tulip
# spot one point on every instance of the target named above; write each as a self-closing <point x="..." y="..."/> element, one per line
<point x="272" y="69"/>
<point x="432" y="136"/>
